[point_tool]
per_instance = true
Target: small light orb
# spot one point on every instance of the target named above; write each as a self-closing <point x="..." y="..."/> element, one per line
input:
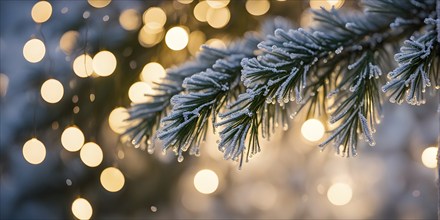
<point x="117" y="120"/>
<point x="41" y="11"/>
<point x="218" y="17"/>
<point x="152" y="72"/>
<point x="339" y="194"/>
<point x="52" y="91"/>
<point x="429" y="157"/>
<point x="217" y="3"/>
<point x="257" y="8"/>
<point x="34" y="50"/>
<point x="137" y="92"/>
<point x="130" y="20"/>
<point x="82" y="209"/>
<point x="104" y="63"/>
<point x="176" y="38"/>
<point x="196" y="39"/>
<point x="185" y="1"/>
<point x="91" y="154"/>
<point x="112" y="179"/>
<point x="72" y="139"/>
<point x="326" y="4"/>
<point x="83" y="65"/>
<point x="216" y="43"/>
<point x="154" y="18"/>
<point x="34" y="151"/>
<point x="99" y="3"/>
<point x="201" y="10"/>
<point x="149" y="37"/>
<point x="312" y="130"/>
<point x="206" y="181"/>
<point x="68" y="41"/>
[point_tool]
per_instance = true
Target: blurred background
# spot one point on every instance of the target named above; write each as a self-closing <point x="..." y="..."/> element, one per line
<point x="69" y="70"/>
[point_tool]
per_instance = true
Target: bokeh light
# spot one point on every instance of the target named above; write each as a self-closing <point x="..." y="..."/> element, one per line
<point x="112" y="179"/>
<point x="152" y="72"/>
<point x="201" y="10"/>
<point x="218" y="17"/>
<point x="116" y="120"/>
<point x="196" y="39"/>
<point x="339" y="194"/>
<point x="82" y="209"/>
<point x="52" y="91"/>
<point x="99" y="3"/>
<point x="34" y="151"/>
<point x="137" y="92"/>
<point x="327" y="4"/>
<point x="104" y="63"/>
<point x="91" y="154"/>
<point x="72" y="139"/>
<point x="130" y="20"/>
<point x="217" y="3"/>
<point x="154" y="18"/>
<point x="216" y="43"/>
<point x="68" y="41"/>
<point x="257" y="8"/>
<point x="176" y="38"/>
<point x="206" y="181"/>
<point x="149" y="37"/>
<point x="41" y="11"/>
<point x="83" y="65"/>
<point x="185" y="1"/>
<point x="312" y="130"/>
<point x="429" y="157"/>
<point x="34" y="50"/>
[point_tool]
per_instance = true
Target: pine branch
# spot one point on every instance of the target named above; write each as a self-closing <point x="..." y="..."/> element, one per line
<point x="205" y="95"/>
<point x="147" y="116"/>
<point x="292" y="61"/>
<point x="419" y="64"/>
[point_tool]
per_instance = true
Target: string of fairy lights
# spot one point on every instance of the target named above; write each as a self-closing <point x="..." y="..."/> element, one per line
<point x="151" y="31"/>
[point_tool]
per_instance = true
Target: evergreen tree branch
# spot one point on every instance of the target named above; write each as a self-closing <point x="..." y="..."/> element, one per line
<point x="293" y="59"/>
<point x="206" y="93"/>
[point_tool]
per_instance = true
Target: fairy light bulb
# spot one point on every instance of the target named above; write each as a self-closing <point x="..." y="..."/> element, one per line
<point x="117" y="120"/>
<point x="52" y="91"/>
<point x="138" y="91"/>
<point x="112" y="179"/>
<point x="152" y="72"/>
<point x="72" y="139"/>
<point x="83" y="65"/>
<point x="176" y="38"/>
<point x="68" y="41"/>
<point x="257" y="8"/>
<point x="154" y="18"/>
<point x="34" y="50"/>
<point x="130" y="20"/>
<point x="217" y="3"/>
<point x="82" y="209"/>
<point x="104" y="63"/>
<point x="34" y="151"/>
<point x="206" y="181"/>
<point x="99" y="3"/>
<point x="218" y="17"/>
<point x="429" y="157"/>
<point x="91" y="154"/>
<point x="200" y="11"/>
<point x="41" y="11"/>
<point x="312" y="130"/>
<point x="339" y="194"/>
